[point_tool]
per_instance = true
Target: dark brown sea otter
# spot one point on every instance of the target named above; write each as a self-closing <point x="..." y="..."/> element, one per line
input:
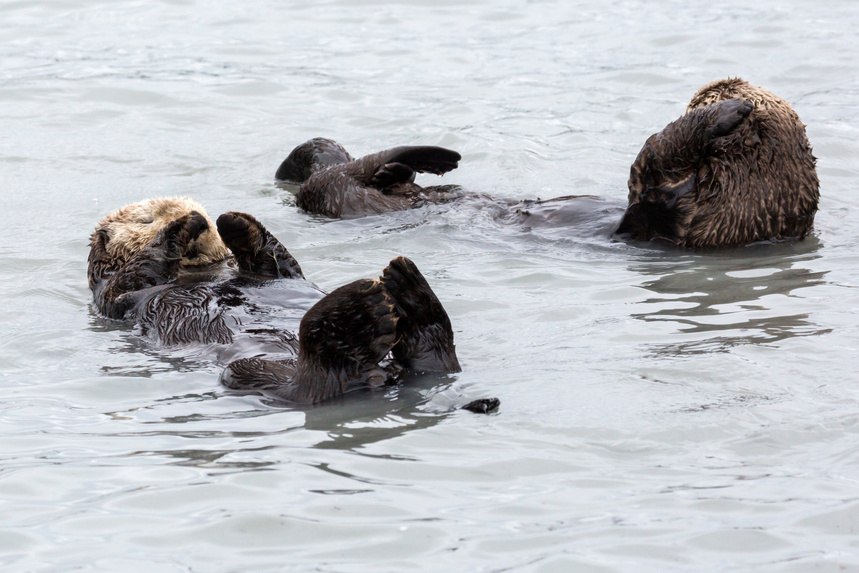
<point x="336" y="185"/>
<point x="362" y="334"/>
<point x="735" y="169"/>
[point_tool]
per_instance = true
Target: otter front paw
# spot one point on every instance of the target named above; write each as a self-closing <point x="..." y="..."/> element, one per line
<point x="181" y="232"/>
<point x="729" y="115"/>
<point x="256" y="250"/>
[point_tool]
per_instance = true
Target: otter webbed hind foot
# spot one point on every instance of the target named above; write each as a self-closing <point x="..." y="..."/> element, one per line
<point x="400" y="164"/>
<point x="255" y="249"/>
<point x="424" y="332"/>
<point x="422" y="158"/>
<point x="377" y="183"/>
<point x="342" y="340"/>
<point x="347" y="339"/>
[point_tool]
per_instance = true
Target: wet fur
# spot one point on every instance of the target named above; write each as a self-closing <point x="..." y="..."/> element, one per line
<point x="129" y="229"/>
<point x="362" y="334"/>
<point x="345" y="338"/>
<point x="737" y="168"/>
<point x="309" y="157"/>
<point x="334" y="184"/>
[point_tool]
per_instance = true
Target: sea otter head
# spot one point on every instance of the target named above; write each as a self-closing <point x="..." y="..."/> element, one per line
<point x="311" y="156"/>
<point x="683" y="167"/>
<point x="132" y="227"/>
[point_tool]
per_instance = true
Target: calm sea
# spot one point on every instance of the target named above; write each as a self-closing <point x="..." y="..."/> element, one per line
<point x="661" y="410"/>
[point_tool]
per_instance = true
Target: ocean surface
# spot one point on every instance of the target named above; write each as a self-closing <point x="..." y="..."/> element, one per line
<point x="661" y="410"/>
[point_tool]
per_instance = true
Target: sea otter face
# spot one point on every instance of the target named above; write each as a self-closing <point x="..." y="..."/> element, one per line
<point x="132" y="227"/>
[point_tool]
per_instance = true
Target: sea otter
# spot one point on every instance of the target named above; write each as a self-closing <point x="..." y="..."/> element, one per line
<point x="336" y="185"/>
<point x="737" y="168"/>
<point x="144" y="266"/>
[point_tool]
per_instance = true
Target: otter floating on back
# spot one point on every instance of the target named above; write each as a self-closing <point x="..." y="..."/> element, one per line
<point x="737" y="168"/>
<point x="362" y="334"/>
<point x="335" y="184"/>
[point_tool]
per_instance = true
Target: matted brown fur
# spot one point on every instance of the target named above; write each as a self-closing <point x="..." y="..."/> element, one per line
<point x="363" y="334"/>
<point x="727" y="173"/>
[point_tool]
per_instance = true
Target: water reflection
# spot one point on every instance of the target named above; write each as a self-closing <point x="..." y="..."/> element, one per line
<point x="348" y="423"/>
<point x="353" y="422"/>
<point x="733" y="298"/>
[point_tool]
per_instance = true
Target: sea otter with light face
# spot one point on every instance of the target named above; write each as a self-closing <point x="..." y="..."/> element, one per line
<point x="362" y="334"/>
<point x="737" y="168"/>
<point x="335" y="184"/>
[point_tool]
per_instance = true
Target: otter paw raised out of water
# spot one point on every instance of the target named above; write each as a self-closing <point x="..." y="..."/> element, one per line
<point x="334" y="184"/>
<point x="363" y="334"/>
<point x="255" y="250"/>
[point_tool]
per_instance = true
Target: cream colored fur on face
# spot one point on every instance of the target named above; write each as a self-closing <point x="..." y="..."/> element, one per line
<point x="132" y="227"/>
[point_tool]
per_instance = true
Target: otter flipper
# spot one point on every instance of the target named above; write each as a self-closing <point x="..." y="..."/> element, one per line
<point x="377" y="183"/>
<point x="155" y="264"/>
<point x="422" y="158"/>
<point x="311" y="156"/>
<point x="424" y="332"/>
<point x="256" y="250"/>
<point x="398" y="165"/>
<point x="342" y="339"/>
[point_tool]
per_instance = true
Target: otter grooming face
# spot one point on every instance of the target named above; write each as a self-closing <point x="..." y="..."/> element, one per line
<point x="363" y="334"/>
<point x="128" y="229"/>
<point x="735" y="169"/>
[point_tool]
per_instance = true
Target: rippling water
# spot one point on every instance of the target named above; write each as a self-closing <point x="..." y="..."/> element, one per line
<point x="661" y="410"/>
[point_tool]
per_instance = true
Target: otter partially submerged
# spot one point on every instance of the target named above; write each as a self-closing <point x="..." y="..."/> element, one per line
<point x="362" y="334"/>
<point x="335" y="184"/>
<point x="735" y="169"/>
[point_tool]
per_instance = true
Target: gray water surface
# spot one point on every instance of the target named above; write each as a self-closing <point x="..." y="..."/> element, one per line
<point x="662" y="410"/>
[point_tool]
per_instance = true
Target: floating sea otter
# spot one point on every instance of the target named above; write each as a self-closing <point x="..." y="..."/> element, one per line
<point x="735" y="169"/>
<point x="362" y="334"/>
<point x="336" y="185"/>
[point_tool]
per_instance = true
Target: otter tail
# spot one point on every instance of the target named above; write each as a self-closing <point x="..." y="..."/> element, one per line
<point x="424" y="332"/>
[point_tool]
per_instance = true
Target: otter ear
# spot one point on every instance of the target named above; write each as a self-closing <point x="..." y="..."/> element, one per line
<point x="728" y="116"/>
